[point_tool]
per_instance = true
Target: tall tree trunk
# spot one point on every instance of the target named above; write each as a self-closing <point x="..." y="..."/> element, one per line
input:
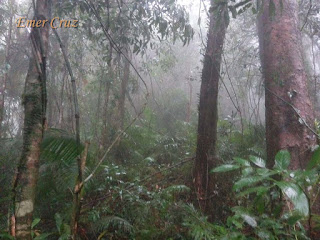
<point x="208" y="108"/>
<point x="123" y="90"/>
<point x="3" y="83"/>
<point x="105" y="112"/>
<point x="188" y="116"/>
<point x="289" y="113"/>
<point x="34" y="101"/>
<point x="75" y="217"/>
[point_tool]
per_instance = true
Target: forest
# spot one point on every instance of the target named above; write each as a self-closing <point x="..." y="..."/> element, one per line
<point x="159" y="119"/>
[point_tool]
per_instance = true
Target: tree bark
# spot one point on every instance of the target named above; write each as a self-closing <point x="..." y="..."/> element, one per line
<point x="34" y="101"/>
<point x="289" y="112"/>
<point x="208" y="109"/>
<point x="188" y="116"/>
<point x="3" y="83"/>
<point x="77" y="194"/>
<point x="123" y="90"/>
<point x="105" y="112"/>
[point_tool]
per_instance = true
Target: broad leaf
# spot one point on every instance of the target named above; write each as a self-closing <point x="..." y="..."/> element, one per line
<point x="250" y="220"/>
<point x="248" y="181"/>
<point x="225" y="168"/>
<point x="258" y="161"/>
<point x="282" y="160"/>
<point x="296" y="196"/>
<point x="242" y="162"/>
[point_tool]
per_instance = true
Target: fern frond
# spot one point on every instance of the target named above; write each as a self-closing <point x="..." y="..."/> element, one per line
<point x="115" y="222"/>
<point x="61" y="146"/>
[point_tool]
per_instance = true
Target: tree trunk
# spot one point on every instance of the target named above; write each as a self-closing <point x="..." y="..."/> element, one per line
<point x="77" y="194"/>
<point x="208" y="109"/>
<point x="34" y="101"/>
<point x="105" y="112"/>
<point x="188" y="116"/>
<point x="123" y="90"/>
<point x="3" y="83"/>
<point x="289" y="113"/>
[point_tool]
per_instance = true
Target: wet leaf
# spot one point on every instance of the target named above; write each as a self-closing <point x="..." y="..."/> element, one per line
<point x="258" y="161"/>
<point x="296" y="196"/>
<point x="225" y="168"/>
<point x="282" y="160"/>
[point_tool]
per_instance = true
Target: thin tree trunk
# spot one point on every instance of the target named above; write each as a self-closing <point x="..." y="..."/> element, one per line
<point x="34" y="101"/>
<point x="106" y="116"/>
<point x="77" y="194"/>
<point x="123" y="91"/>
<point x="80" y="160"/>
<point x="289" y="113"/>
<point x="188" y="116"/>
<point x="208" y="109"/>
<point x="3" y="84"/>
<point x="61" y="110"/>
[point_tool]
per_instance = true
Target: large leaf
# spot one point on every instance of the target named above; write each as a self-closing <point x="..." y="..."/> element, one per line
<point x="258" y="161"/>
<point x="282" y="160"/>
<point x="296" y="196"/>
<point x="248" y="181"/>
<point x="225" y="168"/>
<point x="242" y="162"/>
<point x="250" y="220"/>
<point x="245" y="215"/>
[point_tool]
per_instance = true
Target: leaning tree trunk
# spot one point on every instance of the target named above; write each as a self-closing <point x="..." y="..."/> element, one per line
<point x="289" y="113"/>
<point x="34" y="101"/>
<point x="208" y="109"/>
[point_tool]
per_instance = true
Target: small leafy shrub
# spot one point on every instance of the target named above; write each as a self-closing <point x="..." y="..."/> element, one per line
<point x="273" y="203"/>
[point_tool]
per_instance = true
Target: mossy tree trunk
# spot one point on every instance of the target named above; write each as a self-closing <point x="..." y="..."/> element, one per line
<point x="34" y="101"/>
<point x="208" y="109"/>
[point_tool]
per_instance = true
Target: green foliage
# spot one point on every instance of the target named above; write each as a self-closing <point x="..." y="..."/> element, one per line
<point x="232" y="142"/>
<point x="6" y="236"/>
<point x="139" y="25"/>
<point x="9" y="156"/>
<point x="279" y="198"/>
<point x="59" y="146"/>
<point x="198" y="226"/>
<point x="58" y="173"/>
<point x="62" y="233"/>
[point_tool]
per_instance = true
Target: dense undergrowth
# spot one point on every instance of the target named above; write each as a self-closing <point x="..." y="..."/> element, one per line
<point x="144" y="189"/>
